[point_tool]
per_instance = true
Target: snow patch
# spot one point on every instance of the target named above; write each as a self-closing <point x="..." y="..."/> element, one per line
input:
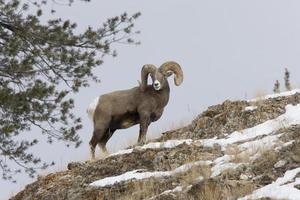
<point x="282" y="188"/>
<point x="121" y="152"/>
<point x="167" y="144"/>
<point x="177" y="189"/>
<point x="285" y="145"/>
<point x="253" y="148"/>
<point x="135" y="174"/>
<point x="167" y="192"/>
<point x="143" y="174"/>
<point x="267" y="141"/>
<point x="186" y="167"/>
<point x="250" y="108"/>
<point x="256" y="147"/>
<point x="282" y="94"/>
<point x="221" y="164"/>
<point x="155" y="145"/>
<point x="290" y="117"/>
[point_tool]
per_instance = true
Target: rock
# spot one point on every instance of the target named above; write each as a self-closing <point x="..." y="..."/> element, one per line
<point x="244" y="177"/>
<point x="280" y="164"/>
<point x="74" y="165"/>
<point x="296" y="158"/>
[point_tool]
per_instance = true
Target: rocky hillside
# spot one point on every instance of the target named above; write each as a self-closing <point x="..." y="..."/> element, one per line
<point x="235" y="150"/>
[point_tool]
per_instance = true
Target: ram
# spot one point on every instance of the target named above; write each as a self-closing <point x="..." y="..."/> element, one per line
<point x="140" y="105"/>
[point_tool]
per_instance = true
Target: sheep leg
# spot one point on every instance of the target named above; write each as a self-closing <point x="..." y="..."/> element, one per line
<point x="157" y="115"/>
<point x="101" y="124"/>
<point x="93" y="143"/>
<point x="104" y="139"/>
<point x="145" y="122"/>
<point x="97" y="135"/>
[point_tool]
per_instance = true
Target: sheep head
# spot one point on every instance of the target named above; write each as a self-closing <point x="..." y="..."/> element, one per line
<point x="159" y="76"/>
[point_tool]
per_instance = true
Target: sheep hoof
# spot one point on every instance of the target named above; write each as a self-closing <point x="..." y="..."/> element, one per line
<point x="141" y="143"/>
<point x="92" y="157"/>
<point x="105" y="153"/>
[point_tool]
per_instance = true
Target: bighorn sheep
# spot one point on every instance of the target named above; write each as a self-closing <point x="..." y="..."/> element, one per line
<point x="139" y="105"/>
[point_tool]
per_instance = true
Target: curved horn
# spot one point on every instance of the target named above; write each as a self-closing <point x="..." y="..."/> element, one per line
<point x="174" y="67"/>
<point x="146" y="70"/>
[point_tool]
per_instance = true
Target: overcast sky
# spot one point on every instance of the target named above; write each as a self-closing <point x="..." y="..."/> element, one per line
<point x="228" y="49"/>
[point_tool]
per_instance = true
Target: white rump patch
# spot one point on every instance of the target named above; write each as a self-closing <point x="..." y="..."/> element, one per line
<point x="92" y="107"/>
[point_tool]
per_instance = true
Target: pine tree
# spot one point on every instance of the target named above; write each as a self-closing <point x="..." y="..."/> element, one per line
<point x="40" y="66"/>
<point x="287" y="80"/>
<point x="276" y="88"/>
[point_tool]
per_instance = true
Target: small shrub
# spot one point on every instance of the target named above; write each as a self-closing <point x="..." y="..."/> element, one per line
<point x="276" y="88"/>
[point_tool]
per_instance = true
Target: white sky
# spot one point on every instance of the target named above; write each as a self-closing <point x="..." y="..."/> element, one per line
<point x="227" y="49"/>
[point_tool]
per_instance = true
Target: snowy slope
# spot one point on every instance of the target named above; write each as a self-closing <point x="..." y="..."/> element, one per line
<point x="259" y="157"/>
<point x="247" y="140"/>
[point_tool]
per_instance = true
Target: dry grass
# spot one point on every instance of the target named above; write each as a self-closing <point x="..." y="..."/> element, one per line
<point x="265" y="161"/>
<point x="235" y="153"/>
<point x="144" y="189"/>
<point x="179" y="124"/>
<point x="260" y="94"/>
<point x="239" y="156"/>
<point x="210" y="191"/>
<point x="194" y="175"/>
<point x="240" y="189"/>
<point x="295" y="154"/>
<point x="220" y="190"/>
<point x="153" y="187"/>
<point x="259" y="98"/>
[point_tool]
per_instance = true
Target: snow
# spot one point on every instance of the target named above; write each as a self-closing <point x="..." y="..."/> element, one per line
<point x="135" y="174"/>
<point x="251" y="148"/>
<point x="221" y="164"/>
<point x="282" y="188"/>
<point x="167" y="144"/>
<point x="280" y="163"/>
<point x="250" y="108"/>
<point x="176" y="189"/>
<point x="121" y="152"/>
<point x="188" y="166"/>
<point x="290" y="117"/>
<point x="155" y="145"/>
<point x="199" y="178"/>
<point x="267" y="141"/>
<point x="143" y="174"/>
<point x="284" y="145"/>
<point x="260" y="137"/>
<point x="283" y="94"/>
<point x="256" y="147"/>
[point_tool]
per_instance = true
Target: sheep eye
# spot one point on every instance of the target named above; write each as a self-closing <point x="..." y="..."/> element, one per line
<point x="168" y="73"/>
